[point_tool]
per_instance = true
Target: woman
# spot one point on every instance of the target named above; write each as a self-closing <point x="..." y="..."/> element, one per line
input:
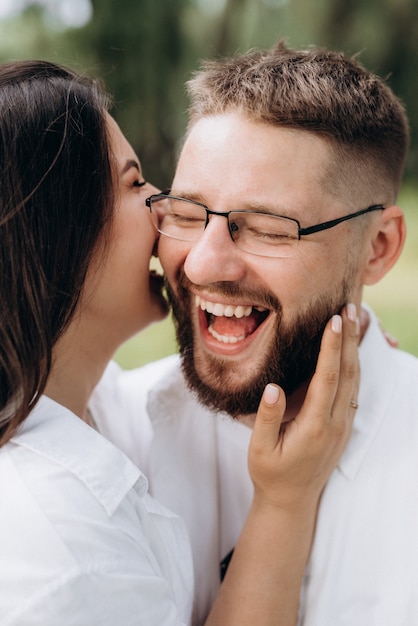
<point x="81" y="541"/>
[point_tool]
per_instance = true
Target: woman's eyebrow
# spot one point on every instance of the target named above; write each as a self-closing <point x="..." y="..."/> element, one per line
<point x="130" y="163"/>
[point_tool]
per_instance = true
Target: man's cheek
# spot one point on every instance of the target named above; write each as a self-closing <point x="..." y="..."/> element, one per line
<point x="172" y="254"/>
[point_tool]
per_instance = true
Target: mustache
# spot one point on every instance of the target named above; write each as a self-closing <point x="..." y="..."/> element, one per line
<point x="227" y="289"/>
<point x="290" y="358"/>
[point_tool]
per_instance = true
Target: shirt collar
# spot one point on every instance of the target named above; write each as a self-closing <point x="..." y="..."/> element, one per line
<point x="56" y="433"/>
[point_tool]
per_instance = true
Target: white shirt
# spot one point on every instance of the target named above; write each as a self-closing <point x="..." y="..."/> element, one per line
<point x="81" y="541"/>
<point x="363" y="569"/>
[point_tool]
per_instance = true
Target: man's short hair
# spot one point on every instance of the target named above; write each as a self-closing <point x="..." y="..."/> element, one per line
<point x="320" y="91"/>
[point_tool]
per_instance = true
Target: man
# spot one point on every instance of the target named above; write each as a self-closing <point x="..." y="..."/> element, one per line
<point x="282" y="207"/>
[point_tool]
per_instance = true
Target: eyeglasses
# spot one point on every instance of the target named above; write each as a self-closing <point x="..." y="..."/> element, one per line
<point x="263" y="234"/>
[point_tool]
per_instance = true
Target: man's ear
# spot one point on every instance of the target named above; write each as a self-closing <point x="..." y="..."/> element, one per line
<point x="386" y="243"/>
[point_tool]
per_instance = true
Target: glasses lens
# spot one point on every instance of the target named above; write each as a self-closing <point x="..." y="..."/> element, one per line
<point x="256" y="233"/>
<point x="264" y="234"/>
<point x="178" y="218"/>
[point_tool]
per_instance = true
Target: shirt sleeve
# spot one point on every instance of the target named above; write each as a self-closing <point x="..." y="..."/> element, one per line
<point x="108" y="595"/>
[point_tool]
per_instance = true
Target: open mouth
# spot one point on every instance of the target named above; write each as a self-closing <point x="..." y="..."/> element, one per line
<point x="230" y="323"/>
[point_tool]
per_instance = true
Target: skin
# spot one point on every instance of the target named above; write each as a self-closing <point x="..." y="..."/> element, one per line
<point x="230" y="162"/>
<point x="111" y="310"/>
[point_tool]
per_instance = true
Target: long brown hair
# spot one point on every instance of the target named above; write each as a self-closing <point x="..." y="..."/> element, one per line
<point x="55" y="201"/>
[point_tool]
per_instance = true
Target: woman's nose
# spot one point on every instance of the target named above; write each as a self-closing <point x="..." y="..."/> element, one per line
<point x="151" y="189"/>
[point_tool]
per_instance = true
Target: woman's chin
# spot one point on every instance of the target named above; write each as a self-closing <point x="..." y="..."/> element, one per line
<point x="157" y="310"/>
<point x="162" y="308"/>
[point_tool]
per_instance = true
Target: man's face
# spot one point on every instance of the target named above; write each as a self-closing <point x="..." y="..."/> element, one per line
<point x="245" y="320"/>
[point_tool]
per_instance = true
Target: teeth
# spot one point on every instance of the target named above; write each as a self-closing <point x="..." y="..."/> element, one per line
<point x="225" y="310"/>
<point x="217" y="310"/>
<point x="225" y="338"/>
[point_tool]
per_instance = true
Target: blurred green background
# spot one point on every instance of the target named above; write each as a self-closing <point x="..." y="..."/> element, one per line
<point x="145" y="50"/>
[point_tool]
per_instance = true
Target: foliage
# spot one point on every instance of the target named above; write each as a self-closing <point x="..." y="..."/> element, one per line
<point x="140" y="50"/>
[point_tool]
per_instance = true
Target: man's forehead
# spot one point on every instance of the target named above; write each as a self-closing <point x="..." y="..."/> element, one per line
<point x="225" y="130"/>
<point x="234" y="151"/>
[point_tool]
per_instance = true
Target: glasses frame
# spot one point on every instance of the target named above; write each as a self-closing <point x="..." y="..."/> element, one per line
<point x="302" y="232"/>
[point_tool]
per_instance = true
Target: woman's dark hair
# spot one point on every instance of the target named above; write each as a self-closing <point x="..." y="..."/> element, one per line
<point x="56" y="200"/>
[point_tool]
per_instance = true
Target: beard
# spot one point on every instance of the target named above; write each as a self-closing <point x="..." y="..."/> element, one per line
<point x="289" y="362"/>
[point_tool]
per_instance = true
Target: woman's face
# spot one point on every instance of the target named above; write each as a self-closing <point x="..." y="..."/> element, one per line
<point x="121" y="295"/>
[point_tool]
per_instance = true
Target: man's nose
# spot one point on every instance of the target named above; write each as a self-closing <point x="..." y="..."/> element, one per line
<point x="215" y="257"/>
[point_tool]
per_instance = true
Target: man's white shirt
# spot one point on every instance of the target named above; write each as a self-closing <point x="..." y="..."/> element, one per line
<point x="363" y="568"/>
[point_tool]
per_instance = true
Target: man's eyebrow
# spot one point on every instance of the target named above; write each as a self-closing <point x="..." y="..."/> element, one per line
<point x="130" y="163"/>
<point x="193" y="197"/>
<point x="256" y="207"/>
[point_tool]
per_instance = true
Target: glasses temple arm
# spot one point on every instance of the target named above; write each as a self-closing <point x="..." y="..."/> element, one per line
<point x="329" y="224"/>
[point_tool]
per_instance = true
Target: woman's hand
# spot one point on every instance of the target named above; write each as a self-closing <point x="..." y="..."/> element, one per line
<point x="291" y="462"/>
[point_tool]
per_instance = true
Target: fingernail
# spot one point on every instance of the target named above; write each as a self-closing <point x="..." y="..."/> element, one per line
<point x="351" y="312"/>
<point x="271" y="394"/>
<point x="336" y="323"/>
